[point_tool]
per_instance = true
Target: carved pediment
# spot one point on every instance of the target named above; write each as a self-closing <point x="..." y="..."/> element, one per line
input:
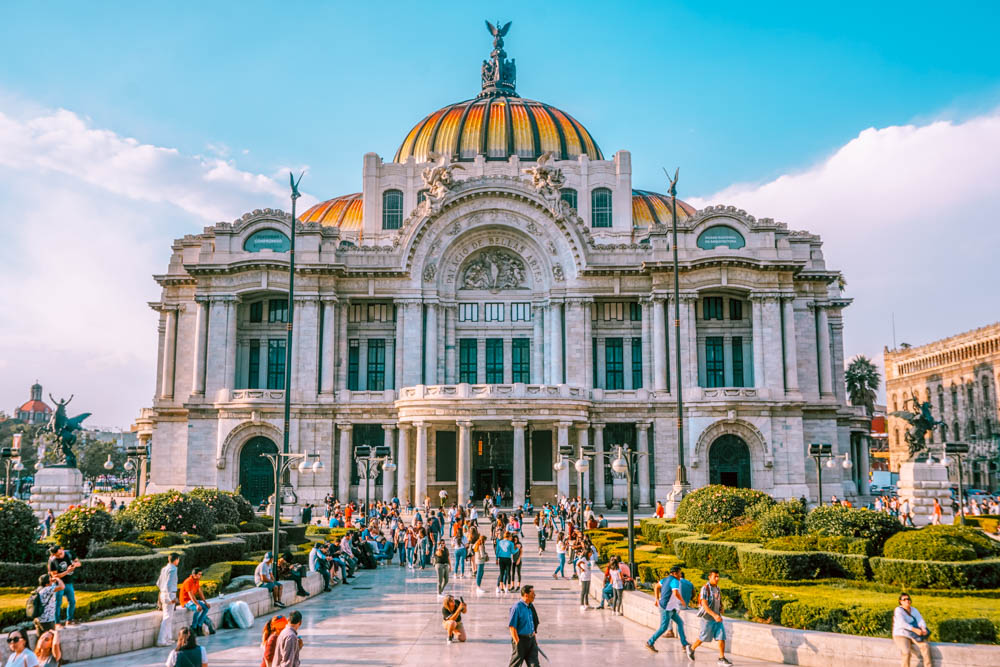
<point x="494" y="269"/>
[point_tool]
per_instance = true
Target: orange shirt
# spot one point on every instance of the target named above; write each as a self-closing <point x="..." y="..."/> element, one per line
<point x="347" y="516"/>
<point x="189" y="590"/>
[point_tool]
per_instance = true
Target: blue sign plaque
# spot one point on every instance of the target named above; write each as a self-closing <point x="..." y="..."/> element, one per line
<point x="720" y="235"/>
<point x="267" y="239"/>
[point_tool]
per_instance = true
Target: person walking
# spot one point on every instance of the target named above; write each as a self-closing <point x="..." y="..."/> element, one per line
<point x="47" y="523"/>
<point x="711" y="617"/>
<point x="617" y="585"/>
<point x="909" y="632"/>
<point x="269" y="639"/>
<point x="479" y="558"/>
<point x="515" y="563"/>
<point x="522" y="625"/>
<point x="667" y="596"/>
<point x="167" y="583"/>
<point x="460" y="545"/>
<point x="187" y="653"/>
<point x="505" y="554"/>
<point x="441" y="564"/>
<point x="583" y="572"/>
<point x="561" y="553"/>
<point x="289" y="643"/>
<point x="936" y="515"/>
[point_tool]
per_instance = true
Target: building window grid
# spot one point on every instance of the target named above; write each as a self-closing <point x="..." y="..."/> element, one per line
<point x="614" y="366"/>
<point x="277" y="310"/>
<point x="392" y="209"/>
<point x="494" y="361"/>
<point x="494" y="312"/>
<point x="637" y="363"/>
<point x="520" y="312"/>
<point x="353" y="363"/>
<point x="714" y="362"/>
<point x="376" y="364"/>
<point x="379" y="312"/>
<point x="253" y="366"/>
<point x="467" y="360"/>
<point x="737" y="346"/>
<point x="600" y="207"/>
<point x="276" y="363"/>
<point x="711" y="308"/>
<point x="520" y="353"/>
<point x="735" y="310"/>
<point x="614" y="311"/>
<point x="568" y="195"/>
<point x="468" y="312"/>
<point x="257" y="311"/>
<point x="635" y="311"/>
<point x="356" y="313"/>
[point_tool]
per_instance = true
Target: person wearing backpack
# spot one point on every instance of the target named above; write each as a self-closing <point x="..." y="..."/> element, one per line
<point x="41" y="606"/>
<point x="909" y="631"/>
<point x="710" y="611"/>
<point x="667" y="593"/>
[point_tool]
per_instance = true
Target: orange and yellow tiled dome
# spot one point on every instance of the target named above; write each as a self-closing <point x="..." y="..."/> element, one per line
<point x="650" y="208"/>
<point x="344" y="212"/>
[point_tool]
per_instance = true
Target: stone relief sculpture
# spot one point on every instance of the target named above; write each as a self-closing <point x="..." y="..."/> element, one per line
<point x="557" y="273"/>
<point x="439" y="180"/>
<point x="546" y="180"/>
<point x="429" y="272"/>
<point x="494" y="270"/>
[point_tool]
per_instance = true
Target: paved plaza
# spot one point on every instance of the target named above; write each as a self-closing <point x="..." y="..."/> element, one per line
<point x="392" y="617"/>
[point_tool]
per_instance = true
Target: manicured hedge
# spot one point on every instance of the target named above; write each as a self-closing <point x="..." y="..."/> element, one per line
<point x="88" y="603"/>
<point x="941" y="543"/>
<point x="706" y="555"/>
<point x="79" y="528"/>
<point x="221" y="504"/>
<point x="226" y="529"/>
<point x="121" y="549"/>
<point x="937" y="574"/>
<point x="18" y="531"/>
<point x="718" y="504"/>
<point x="295" y="533"/>
<point x="173" y="511"/>
<point x="650" y="529"/>
<point x="833" y="544"/>
<point x="160" y="538"/>
<point x="967" y="630"/>
<point x="853" y="522"/>
<point x="763" y="606"/>
<point x="747" y="533"/>
<point x="986" y="522"/>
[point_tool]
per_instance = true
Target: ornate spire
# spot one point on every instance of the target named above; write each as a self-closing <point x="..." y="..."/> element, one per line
<point x="499" y="74"/>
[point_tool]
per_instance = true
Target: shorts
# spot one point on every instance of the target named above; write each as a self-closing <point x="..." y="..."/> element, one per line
<point x="712" y="629"/>
<point x="269" y="585"/>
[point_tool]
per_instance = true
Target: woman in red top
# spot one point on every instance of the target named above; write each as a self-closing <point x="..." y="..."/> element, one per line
<point x="269" y="640"/>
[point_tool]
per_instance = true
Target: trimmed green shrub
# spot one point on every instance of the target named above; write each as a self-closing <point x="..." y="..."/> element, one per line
<point x="18" y="531"/>
<point x="651" y="529"/>
<point x="222" y="505"/>
<point x="172" y="511"/>
<point x="707" y="555"/>
<point x="21" y="574"/>
<point x="779" y="565"/>
<point x="254" y="526"/>
<point x="833" y="544"/>
<point x="124" y="529"/>
<point x="807" y="616"/>
<point x="763" y="606"/>
<point x="782" y="519"/>
<point x="120" y="549"/>
<point x="208" y="553"/>
<point x="88" y="604"/>
<point x="295" y="533"/>
<point x="747" y="533"/>
<point x="226" y="529"/>
<point x="243" y="506"/>
<point x="718" y="504"/>
<point x="978" y="574"/>
<point x="986" y="522"/>
<point x="159" y="538"/>
<point x="941" y="543"/>
<point x="967" y="630"/>
<point x="853" y="522"/>
<point x="79" y="528"/>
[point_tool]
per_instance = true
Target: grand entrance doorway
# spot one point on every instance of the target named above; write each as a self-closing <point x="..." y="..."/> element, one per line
<point x="492" y="463"/>
<point x="729" y="462"/>
<point x="256" y="473"/>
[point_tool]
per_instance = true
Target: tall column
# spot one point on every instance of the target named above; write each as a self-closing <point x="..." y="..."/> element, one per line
<point x="823" y="341"/>
<point x="342" y="310"/>
<point x="576" y="356"/>
<point x="420" y="464"/>
<point x="556" y="338"/>
<point x="583" y="441"/>
<point x="588" y="345"/>
<point x="659" y="349"/>
<point x="599" y="497"/>
<point x="200" y="345"/>
<point x="647" y="345"/>
<point x="344" y="463"/>
<point x="538" y="373"/>
<point x="306" y="331"/>
<point x="562" y="440"/>
<point x="230" y="377"/>
<point x="388" y="476"/>
<point x="403" y="464"/>
<point x="397" y="376"/>
<point x="262" y="374"/>
<point x="412" y="340"/>
<point x="791" y="358"/>
<point x="169" y="350"/>
<point x="773" y="362"/>
<point x="759" y="372"/>
<point x="464" y="460"/>
<point x="519" y="468"/>
<point x="689" y="310"/>
<point x="642" y="434"/>
<point x="329" y="347"/>
<point x="430" y="345"/>
<point x="450" y="369"/>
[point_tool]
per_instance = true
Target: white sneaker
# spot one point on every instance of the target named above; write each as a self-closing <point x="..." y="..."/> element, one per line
<point x="583" y="607"/>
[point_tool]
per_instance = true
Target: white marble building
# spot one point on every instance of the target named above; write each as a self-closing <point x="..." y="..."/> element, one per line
<point x="478" y="311"/>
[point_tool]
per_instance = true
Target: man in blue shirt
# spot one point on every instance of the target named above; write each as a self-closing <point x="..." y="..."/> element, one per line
<point x="669" y="600"/>
<point x="524" y="647"/>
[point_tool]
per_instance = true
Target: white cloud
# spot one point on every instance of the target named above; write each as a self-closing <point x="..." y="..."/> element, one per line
<point x="87" y="217"/>
<point x="909" y="214"/>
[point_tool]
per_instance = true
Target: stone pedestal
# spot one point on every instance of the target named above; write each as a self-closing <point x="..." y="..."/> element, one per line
<point x="920" y="484"/>
<point x="674" y="499"/>
<point x="56" y="489"/>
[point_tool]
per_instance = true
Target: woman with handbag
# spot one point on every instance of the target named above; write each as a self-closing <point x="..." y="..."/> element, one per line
<point x="480" y="557"/>
<point x="909" y="631"/>
<point x="442" y="564"/>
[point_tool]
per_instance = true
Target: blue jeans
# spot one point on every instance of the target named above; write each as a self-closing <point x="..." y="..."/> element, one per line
<point x="480" y="569"/>
<point x="403" y="553"/>
<point x="343" y="568"/>
<point x="409" y="556"/>
<point x="460" y="561"/>
<point x="70" y="595"/>
<point x="562" y="565"/>
<point x="200" y="617"/>
<point x="665" y="618"/>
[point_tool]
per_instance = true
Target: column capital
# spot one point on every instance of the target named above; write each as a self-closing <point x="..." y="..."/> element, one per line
<point x="579" y="300"/>
<point x="598" y="426"/>
<point x="202" y="299"/>
<point x="388" y="427"/>
<point x="581" y="425"/>
<point x="464" y="423"/>
<point x="345" y="426"/>
<point x="420" y="425"/>
<point x="519" y="423"/>
<point x="329" y="299"/>
<point x="224" y="298"/>
<point x="564" y="424"/>
<point x="765" y="296"/>
<point x="406" y="301"/>
<point x="642" y="426"/>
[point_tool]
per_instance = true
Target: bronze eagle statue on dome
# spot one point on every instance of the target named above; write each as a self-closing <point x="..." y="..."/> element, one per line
<point x="498" y="33"/>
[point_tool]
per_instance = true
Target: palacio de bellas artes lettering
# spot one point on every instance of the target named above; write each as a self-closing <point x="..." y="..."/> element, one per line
<point x="496" y="295"/>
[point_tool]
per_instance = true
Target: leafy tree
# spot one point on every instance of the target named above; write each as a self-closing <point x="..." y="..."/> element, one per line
<point x="92" y="454"/>
<point x="863" y="381"/>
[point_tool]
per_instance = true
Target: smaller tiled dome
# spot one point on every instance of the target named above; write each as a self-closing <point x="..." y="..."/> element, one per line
<point x="650" y="208"/>
<point x="344" y="212"/>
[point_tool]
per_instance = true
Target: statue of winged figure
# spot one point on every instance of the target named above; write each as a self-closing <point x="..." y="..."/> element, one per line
<point x="498" y="33"/>
<point x="921" y="422"/>
<point x="439" y="178"/>
<point x="545" y="179"/>
<point x="63" y="427"/>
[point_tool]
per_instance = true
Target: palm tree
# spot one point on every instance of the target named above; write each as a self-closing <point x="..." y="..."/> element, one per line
<point x="863" y="381"/>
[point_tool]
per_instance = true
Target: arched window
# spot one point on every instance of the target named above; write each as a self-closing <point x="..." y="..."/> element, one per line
<point x="971" y="430"/>
<point x="392" y="209"/>
<point x="944" y="432"/>
<point x="954" y="399"/>
<point x="956" y="432"/>
<point x="568" y="195"/>
<point x="940" y="401"/>
<point x="422" y="195"/>
<point x="600" y="207"/>
<point x="986" y="391"/>
<point x="897" y="437"/>
<point x="895" y="403"/>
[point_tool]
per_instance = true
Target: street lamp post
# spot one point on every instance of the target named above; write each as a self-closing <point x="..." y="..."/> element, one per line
<point x="369" y="459"/>
<point x="681" y="480"/>
<point x="12" y="459"/>
<point x="623" y="463"/>
<point x="582" y="465"/>
<point x="820" y="451"/>
<point x="958" y="450"/>
<point x="136" y="456"/>
<point x="281" y="463"/>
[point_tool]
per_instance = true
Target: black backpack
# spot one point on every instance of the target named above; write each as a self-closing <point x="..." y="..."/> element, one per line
<point x="34" y="607"/>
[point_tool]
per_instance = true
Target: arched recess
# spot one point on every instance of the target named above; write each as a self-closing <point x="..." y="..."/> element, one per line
<point x="227" y="458"/>
<point x="729" y="462"/>
<point x="760" y="455"/>
<point x="256" y="475"/>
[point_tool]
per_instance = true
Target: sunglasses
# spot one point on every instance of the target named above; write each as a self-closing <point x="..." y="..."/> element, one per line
<point x="14" y="640"/>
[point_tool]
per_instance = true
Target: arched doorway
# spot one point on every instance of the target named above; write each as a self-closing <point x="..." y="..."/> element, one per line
<point x="256" y="473"/>
<point x="729" y="462"/>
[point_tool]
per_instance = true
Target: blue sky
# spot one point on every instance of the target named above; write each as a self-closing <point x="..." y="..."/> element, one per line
<point x="126" y="125"/>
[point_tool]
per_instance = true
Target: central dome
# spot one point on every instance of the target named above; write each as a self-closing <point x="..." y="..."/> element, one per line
<point x="498" y="123"/>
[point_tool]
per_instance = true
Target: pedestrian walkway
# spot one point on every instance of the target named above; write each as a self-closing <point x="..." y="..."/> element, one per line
<point x="391" y="616"/>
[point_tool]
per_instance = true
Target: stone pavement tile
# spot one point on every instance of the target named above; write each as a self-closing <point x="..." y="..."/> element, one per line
<point x="392" y="617"/>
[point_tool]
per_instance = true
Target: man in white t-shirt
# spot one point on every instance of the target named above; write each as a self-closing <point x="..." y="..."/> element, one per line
<point x="263" y="577"/>
<point x="583" y="572"/>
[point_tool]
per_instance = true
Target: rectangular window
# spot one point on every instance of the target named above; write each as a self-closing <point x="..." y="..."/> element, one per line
<point x="378" y="312"/>
<point x="494" y="361"/>
<point x="520" y="312"/>
<point x="737" y="360"/>
<point x="276" y="363"/>
<point x="711" y="308"/>
<point x="445" y="456"/>
<point x="595" y="363"/>
<point x="494" y="312"/>
<point x="520" y="352"/>
<point x="376" y="364"/>
<point x="614" y="311"/>
<point x="568" y="195"/>
<point x="467" y="360"/>
<point x="257" y="311"/>
<point x="735" y="310"/>
<point x="468" y="312"/>
<point x="635" y="311"/>
<point x="541" y="455"/>
<point x="353" y="354"/>
<point x="277" y="310"/>
<point x="714" y="363"/>
<point x="637" y="363"/>
<point x="356" y="313"/>
<point x="614" y="367"/>
<point x="600" y="207"/>
<point x="253" y="367"/>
